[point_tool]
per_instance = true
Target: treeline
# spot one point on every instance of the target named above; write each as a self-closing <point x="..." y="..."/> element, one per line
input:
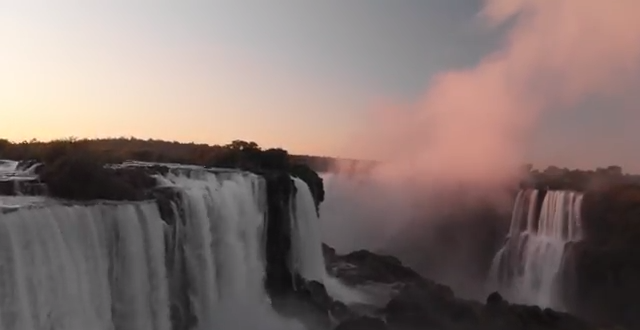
<point x="556" y="178"/>
<point x="611" y="208"/>
<point x="116" y="150"/>
<point x="88" y="156"/>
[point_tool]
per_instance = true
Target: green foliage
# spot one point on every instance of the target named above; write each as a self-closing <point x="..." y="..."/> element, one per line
<point x="556" y="178"/>
<point x="115" y="150"/>
<point x="275" y="158"/>
<point x="4" y="146"/>
<point x="237" y="154"/>
<point x="74" y="173"/>
<point x="74" y="168"/>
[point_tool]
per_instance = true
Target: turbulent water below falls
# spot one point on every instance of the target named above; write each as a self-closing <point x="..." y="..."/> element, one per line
<point x="111" y="266"/>
<point x="527" y="268"/>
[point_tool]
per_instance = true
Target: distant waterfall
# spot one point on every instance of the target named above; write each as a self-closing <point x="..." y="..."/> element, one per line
<point x="526" y="269"/>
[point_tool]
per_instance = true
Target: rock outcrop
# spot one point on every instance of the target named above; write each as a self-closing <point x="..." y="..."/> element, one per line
<point x="361" y="267"/>
<point x="419" y="303"/>
<point x="82" y="178"/>
<point x="601" y="272"/>
<point x="280" y="189"/>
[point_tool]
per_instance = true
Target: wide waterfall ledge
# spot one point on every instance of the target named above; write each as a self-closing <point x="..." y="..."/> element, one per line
<point x="192" y="255"/>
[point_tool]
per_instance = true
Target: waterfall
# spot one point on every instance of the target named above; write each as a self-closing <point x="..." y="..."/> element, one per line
<point x="527" y="267"/>
<point x="83" y="267"/>
<point x="222" y="238"/>
<point x="122" y="266"/>
<point x="306" y="242"/>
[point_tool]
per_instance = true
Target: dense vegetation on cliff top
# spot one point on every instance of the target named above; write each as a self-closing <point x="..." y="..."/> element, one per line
<point x="116" y="150"/>
<point x="612" y="197"/>
<point x="555" y="178"/>
<point x="83" y="159"/>
<point x="74" y="169"/>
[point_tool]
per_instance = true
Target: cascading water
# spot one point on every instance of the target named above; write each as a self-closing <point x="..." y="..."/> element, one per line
<point x="527" y="268"/>
<point x="222" y="238"/>
<point x="83" y="267"/>
<point x="121" y="266"/>
<point x="306" y="242"/>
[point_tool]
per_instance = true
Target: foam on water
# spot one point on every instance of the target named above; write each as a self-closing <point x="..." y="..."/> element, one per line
<point x="11" y="170"/>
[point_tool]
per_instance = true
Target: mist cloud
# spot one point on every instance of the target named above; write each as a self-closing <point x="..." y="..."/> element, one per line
<point x="472" y="125"/>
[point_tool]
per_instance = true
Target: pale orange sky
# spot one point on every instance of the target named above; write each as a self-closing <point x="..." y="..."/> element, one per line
<point x="78" y="78"/>
<point x="302" y="76"/>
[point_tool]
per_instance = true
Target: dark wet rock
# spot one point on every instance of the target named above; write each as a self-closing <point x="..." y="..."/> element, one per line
<point x="314" y="292"/>
<point x="169" y="201"/>
<point x="329" y="252"/>
<point x="494" y="299"/>
<point x="83" y="178"/>
<point x="340" y="312"/>
<point x="7" y="187"/>
<point x="421" y="305"/>
<point x="309" y="302"/>
<point x="280" y="189"/>
<point x="424" y="304"/>
<point x="362" y="323"/>
<point x="363" y="266"/>
<point x="602" y="283"/>
<point x="22" y="187"/>
<point x="312" y="179"/>
<point x="600" y="273"/>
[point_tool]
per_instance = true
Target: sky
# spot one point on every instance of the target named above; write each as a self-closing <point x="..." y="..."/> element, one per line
<point x="302" y="75"/>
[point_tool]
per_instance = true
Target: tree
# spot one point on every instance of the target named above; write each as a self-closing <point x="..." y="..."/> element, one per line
<point x="275" y="159"/>
<point x="614" y="170"/>
<point x="4" y="147"/>
<point x="242" y="145"/>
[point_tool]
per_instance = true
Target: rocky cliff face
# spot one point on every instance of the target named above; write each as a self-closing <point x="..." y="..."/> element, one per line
<point x="601" y="284"/>
<point x="602" y="271"/>
<point x="418" y="303"/>
<point x="280" y="190"/>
